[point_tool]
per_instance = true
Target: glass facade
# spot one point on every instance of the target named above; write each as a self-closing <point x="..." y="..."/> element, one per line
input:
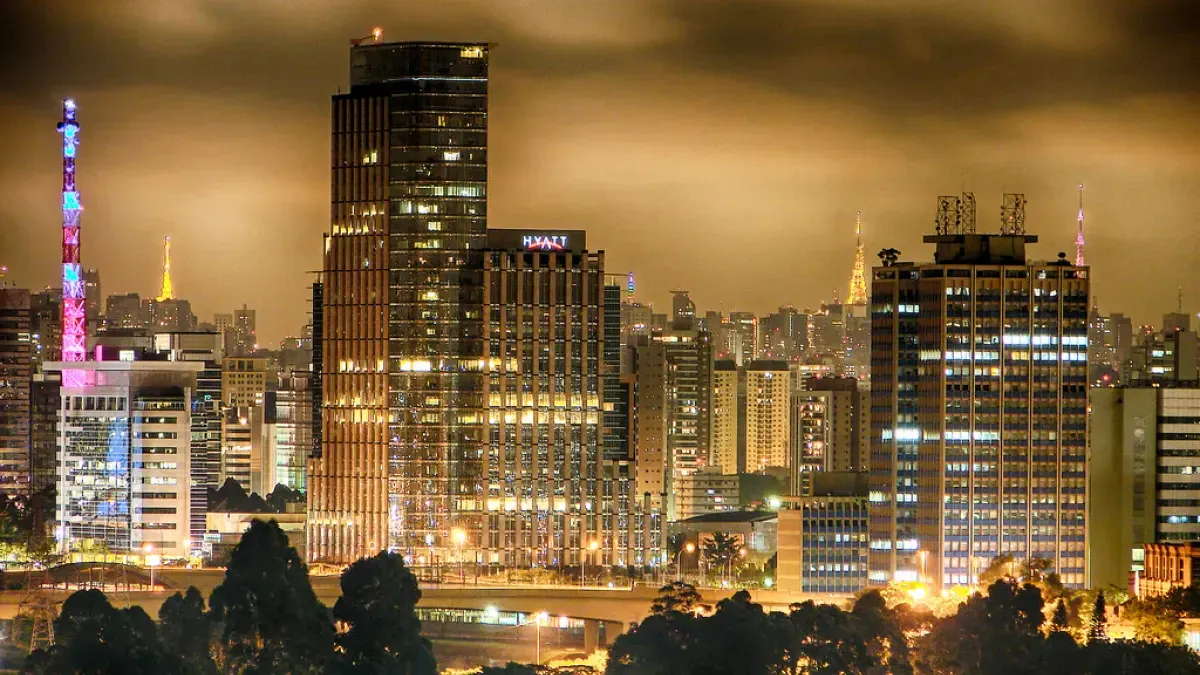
<point x="979" y="418"/>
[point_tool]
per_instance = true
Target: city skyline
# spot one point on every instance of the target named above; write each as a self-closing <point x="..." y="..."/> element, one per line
<point x="623" y="151"/>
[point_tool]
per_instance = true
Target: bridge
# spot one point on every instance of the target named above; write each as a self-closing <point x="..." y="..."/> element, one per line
<point x="613" y="609"/>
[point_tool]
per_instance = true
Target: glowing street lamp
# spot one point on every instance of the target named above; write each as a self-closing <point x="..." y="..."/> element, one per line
<point x="459" y="537"/>
<point x="540" y="619"/>
<point x="152" y="561"/>
<point x="690" y="548"/>
<point x="592" y="546"/>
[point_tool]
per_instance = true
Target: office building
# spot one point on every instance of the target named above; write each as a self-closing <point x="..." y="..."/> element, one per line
<point x="290" y="409"/>
<point x="126" y="311"/>
<point x="979" y="380"/>
<point x="245" y="332"/>
<point x="247" y="449"/>
<point x="45" y="316"/>
<point x="16" y="390"/>
<point x="1168" y="567"/>
<point x="784" y="335"/>
<point x="706" y="491"/>
<point x="172" y="315"/>
<point x="829" y="429"/>
<point x="407" y="374"/>
<point x="683" y="311"/>
<point x="123" y="457"/>
<point x="1165" y="357"/>
<point x="768" y="391"/>
<point x="618" y="394"/>
<point x="674" y="389"/>
<point x="93" y="300"/>
<point x="1145" y="454"/>
<point x="243" y="381"/>
<point x="744" y="327"/>
<point x="207" y="416"/>
<point x="45" y="402"/>
<point x="725" y="415"/>
<point x="403" y="333"/>
<point x="823" y="537"/>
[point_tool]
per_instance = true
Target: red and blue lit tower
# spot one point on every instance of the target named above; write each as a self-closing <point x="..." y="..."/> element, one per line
<point x="74" y="307"/>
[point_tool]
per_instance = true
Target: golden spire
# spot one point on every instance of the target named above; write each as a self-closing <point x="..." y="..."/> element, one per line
<point x="858" y="279"/>
<point x="167" y="292"/>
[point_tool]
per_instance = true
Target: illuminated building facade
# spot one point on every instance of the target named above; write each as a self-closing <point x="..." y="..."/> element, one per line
<point x="16" y="391"/>
<point x="126" y="311"/>
<point x="124" y="440"/>
<point x="243" y="381"/>
<point x="979" y="412"/>
<point x="290" y="409"/>
<point x="725" y="412"/>
<point x="548" y="494"/>
<point x="1145" y="461"/>
<point x="768" y="392"/>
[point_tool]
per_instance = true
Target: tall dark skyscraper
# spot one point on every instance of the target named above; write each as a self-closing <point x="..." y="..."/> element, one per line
<point x="16" y="390"/>
<point x="402" y="381"/>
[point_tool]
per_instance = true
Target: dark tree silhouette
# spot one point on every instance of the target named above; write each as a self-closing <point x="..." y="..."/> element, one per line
<point x="270" y="620"/>
<point x="378" y="603"/>
<point x="186" y="633"/>
<point x="1096" y="626"/>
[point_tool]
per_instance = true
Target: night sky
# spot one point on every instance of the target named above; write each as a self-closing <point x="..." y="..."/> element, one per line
<point x="720" y="147"/>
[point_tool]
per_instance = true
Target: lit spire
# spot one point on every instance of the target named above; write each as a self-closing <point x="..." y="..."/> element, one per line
<point x="858" y="280"/>
<point x="167" y="292"/>
<point x="1079" y="235"/>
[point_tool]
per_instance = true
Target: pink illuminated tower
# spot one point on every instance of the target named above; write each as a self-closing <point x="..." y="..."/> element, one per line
<point x="74" y="308"/>
<point x="1079" y="235"/>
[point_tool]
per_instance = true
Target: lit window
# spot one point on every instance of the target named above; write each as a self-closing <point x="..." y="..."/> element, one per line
<point x="471" y="52"/>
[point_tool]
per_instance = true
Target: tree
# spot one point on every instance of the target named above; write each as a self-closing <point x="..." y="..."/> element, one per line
<point x="721" y="549"/>
<point x="1096" y="627"/>
<point x="378" y="602"/>
<point x="997" y="569"/>
<point x="676" y="596"/>
<point x="1034" y="569"/>
<point x="92" y="638"/>
<point x="185" y="633"/>
<point x="270" y="620"/>
<point x="1153" y="620"/>
<point x="1060" y="619"/>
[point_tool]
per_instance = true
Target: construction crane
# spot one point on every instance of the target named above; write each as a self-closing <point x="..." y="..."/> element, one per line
<point x="375" y="36"/>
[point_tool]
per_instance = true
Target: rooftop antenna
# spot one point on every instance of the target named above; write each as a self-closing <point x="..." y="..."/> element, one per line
<point x="1012" y="214"/>
<point x="167" y="292"/>
<point x="1079" y="262"/>
<point x="74" y="309"/>
<point x="858" y="279"/>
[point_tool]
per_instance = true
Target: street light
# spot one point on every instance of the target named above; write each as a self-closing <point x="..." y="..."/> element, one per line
<point x="689" y="547"/>
<point x="923" y="556"/>
<point x="151" y="561"/>
<point x="592" y="546"/>
<point x="538" y="621"/>
<point x="459" y="536"/>
<point x="729" y="563"/>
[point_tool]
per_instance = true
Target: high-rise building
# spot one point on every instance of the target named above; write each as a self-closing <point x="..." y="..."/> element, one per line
<point x="979" y="412"/>
<point x="44" y="430"/>
<point x="16" y="390"/>
<point x="829" y="430"/>
<point x="784" y="335"/>
<point x="243" y="381"/>
<point x="1145" y="450"/>
<point x="409" y="196"/>
<point x="725" y="411"/>
<point x="171" y="316"/>
<point x="823" y="537"/>
<point x="126" y="311"/>
<point x="1167" y="356"/>
<point x="207" y="419"/>
<point x="290" y="409"/>
<point x="683" y="311"/>
<point x="744" y="326"/>
<point x="93" y="300"/>
<point x="706" y="491"/>
<point x="45" y="315"/>
<point x="123" y="456"/>
<point x="547" y="493"/>
<point x="617" y="403"/>
<point x="768" y="390"/>
<point x="245" y="331"/>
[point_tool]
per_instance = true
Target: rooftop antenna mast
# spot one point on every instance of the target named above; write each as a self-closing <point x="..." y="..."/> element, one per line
<point x="858" y="279"/>
<point x="74" y="307"/>
<point x="1079" y="260"/>
<point x="1012" y="214"/>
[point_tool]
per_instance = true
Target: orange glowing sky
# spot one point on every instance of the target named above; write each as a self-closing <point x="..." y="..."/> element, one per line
<point x="721" y="147"/>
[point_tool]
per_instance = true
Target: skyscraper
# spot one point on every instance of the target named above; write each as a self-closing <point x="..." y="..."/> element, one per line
<point x="724" y="445"/>
<point x="403" y="331"/>
<point x="93" y="300"/>
<point x="979" y="411"/>
<point x="16" y="391"/>
<point x="245" y="331"/>
<point x="768" y="388"/>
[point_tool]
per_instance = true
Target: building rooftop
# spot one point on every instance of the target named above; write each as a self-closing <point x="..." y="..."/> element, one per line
<point x="731" y="517"/>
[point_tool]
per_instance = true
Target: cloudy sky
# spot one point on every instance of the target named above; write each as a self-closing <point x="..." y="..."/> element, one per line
<point x="717" y="146"/>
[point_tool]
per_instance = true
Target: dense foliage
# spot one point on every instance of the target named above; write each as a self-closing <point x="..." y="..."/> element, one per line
<point x="1002" y="633"/>
<point x="263" y="619"/>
